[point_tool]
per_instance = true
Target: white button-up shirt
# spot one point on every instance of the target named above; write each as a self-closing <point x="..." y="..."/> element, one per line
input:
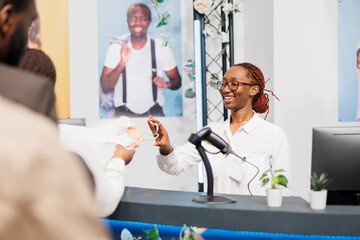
<point x="260" y="142"/>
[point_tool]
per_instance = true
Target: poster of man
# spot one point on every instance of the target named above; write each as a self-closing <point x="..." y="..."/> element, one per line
<point x="349" y="60"/>
<point x="139" y="54"/>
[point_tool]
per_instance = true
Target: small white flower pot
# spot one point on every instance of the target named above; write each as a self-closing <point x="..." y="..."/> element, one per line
<point x="318" y="199"/>
<point x="274" y="197"/>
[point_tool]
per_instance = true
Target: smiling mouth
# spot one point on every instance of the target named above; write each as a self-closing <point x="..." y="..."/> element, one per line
<point x="228" y="99"/>
<point x="138" y="29"/>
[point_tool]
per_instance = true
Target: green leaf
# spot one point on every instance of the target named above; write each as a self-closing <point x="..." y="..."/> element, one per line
<point x="164" y="19"/>
<point x="265" y="181"/>
<point x="223" y="50"/>
<point x="282" y="180"/>
<point x="213" y="84"/>
<point x="275" y="180"/>
<point x="262" y="176"/>
<point x="214" y="76"/>
<point x="152" y="233"/>
<point x="319" y="183"/>
<point x="167" y="42"/>
<point x="159" y="1"/>
<point x="190" y="93"/>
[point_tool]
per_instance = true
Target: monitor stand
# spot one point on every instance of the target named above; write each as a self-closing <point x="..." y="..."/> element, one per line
<point x="213" y="199"/>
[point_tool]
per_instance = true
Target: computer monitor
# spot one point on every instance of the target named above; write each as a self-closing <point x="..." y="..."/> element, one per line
<point x="336" y="151"/>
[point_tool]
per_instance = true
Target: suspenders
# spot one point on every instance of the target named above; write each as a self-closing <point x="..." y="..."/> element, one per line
<point x="124" y="84"/>
<point x="153" y="70"/>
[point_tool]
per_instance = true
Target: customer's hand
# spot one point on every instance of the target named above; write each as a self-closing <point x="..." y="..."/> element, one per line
<point x="124" y="154"/>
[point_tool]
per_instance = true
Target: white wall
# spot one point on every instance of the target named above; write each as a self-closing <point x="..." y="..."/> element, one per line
<point x="294" y="42"/>
<point x="305" y="72"/>
<point x="258" y="41"/>
<point x="143" y="170"/>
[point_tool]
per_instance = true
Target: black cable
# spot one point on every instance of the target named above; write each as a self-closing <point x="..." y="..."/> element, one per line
<point x="212" y="152"/>
<point x="244" y="159"/>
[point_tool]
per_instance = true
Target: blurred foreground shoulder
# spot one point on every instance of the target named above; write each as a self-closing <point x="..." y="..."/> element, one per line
<point x="44" y="192"/>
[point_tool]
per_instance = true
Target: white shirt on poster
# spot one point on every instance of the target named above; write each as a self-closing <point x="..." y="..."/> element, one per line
<point x="259" y="141"/>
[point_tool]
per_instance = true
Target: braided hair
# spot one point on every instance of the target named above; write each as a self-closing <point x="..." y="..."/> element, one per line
<point x="260" y="102"/>
<point x="38" y="62"/>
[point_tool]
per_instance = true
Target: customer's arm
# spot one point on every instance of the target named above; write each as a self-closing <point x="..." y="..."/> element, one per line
<point x="111" y="187"/>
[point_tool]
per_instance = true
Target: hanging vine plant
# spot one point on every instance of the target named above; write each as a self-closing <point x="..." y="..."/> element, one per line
<point x="164" y="19"/>
<point x="215" y="14"/>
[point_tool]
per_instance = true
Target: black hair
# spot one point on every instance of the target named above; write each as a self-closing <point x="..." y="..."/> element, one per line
<point x="358" y="52"/>
<point x="137" y="5"/>
<point x="19" y="5"/>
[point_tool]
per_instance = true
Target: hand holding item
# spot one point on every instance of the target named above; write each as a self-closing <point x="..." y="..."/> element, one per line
<point x="124" y="153"/>
<point x="125" y="53"/>
<point x="121" y="131"/>
<point x="135" y="134"/>
<point x="162" y="140"/>
<point x="161" y="83"/>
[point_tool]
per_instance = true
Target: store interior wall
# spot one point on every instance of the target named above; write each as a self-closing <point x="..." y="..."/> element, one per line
<point x="294" y="42"/>
<point x="306" y="76"/>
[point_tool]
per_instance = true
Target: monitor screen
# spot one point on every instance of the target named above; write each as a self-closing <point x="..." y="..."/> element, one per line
<point x="336" y="151"/>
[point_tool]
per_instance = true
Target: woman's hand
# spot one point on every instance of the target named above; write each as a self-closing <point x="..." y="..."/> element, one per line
<point x="162" y="140"/>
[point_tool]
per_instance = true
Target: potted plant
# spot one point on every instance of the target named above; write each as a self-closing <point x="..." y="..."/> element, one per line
<point x="276" y="179"/>
<point x="318" y="193"/>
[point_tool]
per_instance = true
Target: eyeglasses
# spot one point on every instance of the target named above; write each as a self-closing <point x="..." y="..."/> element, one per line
<point x="233" y="86"/>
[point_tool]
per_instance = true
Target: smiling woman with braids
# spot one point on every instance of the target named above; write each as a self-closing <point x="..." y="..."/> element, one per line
<point x="261" y="143"/>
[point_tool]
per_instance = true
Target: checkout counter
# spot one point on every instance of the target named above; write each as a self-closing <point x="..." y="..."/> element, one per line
<point x="241" y="220"/>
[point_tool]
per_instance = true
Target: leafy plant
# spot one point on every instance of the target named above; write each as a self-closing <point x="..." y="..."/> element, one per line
<point x="319" y="183"/>
<point x="153" y="233"/>
<point x="191" y="233"/>
<point x="164" y="19"/>
<point x="213" y="27"/>
<point x="189" y="68"/>
<point x="215" y="14"/>
<point x="274" y="177"/>
<point x="186" y="233"/>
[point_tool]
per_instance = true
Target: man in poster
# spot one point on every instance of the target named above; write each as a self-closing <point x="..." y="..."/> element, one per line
<point x="133" y="67"/>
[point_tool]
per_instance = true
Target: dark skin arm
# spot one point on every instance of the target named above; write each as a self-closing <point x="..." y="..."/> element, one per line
<point x="163" y="141"/>
<point x="109" y="77"/>
<point x="174" y="77"/>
